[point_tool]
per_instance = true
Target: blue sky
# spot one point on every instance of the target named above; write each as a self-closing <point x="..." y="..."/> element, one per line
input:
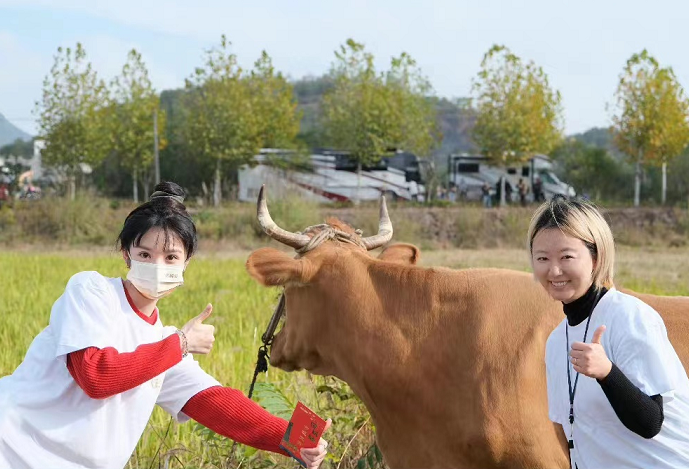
<point x="582" y="46"/>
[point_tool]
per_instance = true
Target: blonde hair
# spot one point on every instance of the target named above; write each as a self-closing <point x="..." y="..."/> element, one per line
<point x="579" y="219"/>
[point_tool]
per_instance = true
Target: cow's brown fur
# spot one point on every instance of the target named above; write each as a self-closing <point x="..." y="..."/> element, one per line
<point x="450" y="363"/>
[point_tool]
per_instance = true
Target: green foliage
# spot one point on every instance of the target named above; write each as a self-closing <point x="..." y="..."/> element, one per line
<point x="517" y="113"/>
<point x="220" y="124"/>
<point x="273" y="400"/>
<point x="230" y="114"/>
<point x="367" y="113"/>
<point x="651" y="114"/>
<point x="132" y="130"/>
<point x="593" y="171"/>
<point x="18" y="148"/>
<point x="275" y="104"/>
<point x="72" y="113"/>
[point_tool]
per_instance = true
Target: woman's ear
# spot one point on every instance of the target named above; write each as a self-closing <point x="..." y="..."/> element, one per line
<point x="127" y="259"/>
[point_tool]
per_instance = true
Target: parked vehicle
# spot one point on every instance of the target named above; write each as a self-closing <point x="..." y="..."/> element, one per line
<point x="468" y="173"/>
<point x="327" y="176"/>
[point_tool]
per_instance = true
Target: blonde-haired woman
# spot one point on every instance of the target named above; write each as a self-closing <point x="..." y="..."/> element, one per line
<point x="615" y="383"/>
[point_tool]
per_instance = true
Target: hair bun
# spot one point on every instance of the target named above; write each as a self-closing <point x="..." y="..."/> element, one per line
<point x="168" y="190"/>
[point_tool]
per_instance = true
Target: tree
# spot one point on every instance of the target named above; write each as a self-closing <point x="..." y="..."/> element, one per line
<point x="231" y="114"/>
<point x="72" y="115"/>
<point x="18" y="148"/>
<point x="650" y="122"/>
<point x="673" y="112"/>
<point x="592" y="170"/>
<point x="517" y="113"/>
<point x="275" y="103"/>
<point x="368" y="113"/>
<point x="132" y="134"/>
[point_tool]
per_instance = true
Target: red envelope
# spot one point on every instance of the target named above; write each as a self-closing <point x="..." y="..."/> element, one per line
<point x="304" y="431"/>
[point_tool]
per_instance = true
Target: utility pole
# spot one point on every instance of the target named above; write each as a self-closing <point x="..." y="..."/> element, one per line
<point x="155" y="145"/>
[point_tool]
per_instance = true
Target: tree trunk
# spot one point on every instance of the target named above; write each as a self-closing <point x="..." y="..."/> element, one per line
<point x="72" y="186"/>
<point x="637" y="182"/>
<point x="146" y="181"/>
<point x="156" y="157"/>
<point x="135" y="187"/>
<point x="358" y="183"/>
<point x="663" y="196"/>
<point x="216" y="186"/>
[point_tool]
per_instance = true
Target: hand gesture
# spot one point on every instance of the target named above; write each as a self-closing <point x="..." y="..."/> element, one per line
<point x="313" y="457"/>
<point x="199" y="335"/>
<point x="590" y="359"/>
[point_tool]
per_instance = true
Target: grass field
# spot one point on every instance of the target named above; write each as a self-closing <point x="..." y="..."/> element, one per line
<point x="31" y="281"/>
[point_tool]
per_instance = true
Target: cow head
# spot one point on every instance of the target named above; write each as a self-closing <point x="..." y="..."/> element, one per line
<point x="327" y="286"/>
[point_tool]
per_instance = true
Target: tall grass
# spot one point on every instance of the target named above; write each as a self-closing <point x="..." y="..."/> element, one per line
<point x="94" y="221"/>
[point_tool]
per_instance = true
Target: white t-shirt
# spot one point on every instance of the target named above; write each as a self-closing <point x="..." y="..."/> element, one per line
<point x="635" y="340"/>
<point x="46" y="419"/>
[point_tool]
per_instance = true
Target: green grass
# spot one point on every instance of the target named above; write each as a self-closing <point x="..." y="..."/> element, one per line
<point x="32" y="281"/>
<point x="241" y="310"/>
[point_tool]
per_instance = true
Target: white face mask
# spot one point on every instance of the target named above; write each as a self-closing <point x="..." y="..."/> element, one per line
<point x="155" y="280"/>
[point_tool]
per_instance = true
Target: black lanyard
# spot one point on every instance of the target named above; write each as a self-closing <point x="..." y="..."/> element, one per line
<point x="573" y="390"/>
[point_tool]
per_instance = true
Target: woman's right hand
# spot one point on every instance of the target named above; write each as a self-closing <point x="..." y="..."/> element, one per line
<point x="199" y="335"/>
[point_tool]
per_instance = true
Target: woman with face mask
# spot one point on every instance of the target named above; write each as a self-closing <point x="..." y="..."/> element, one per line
<point x="615" y="383"/>
<point x="87" y="386"/>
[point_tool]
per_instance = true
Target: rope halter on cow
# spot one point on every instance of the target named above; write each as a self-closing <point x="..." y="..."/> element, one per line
<point x="304" y="243"/>
<point x="300" y="240"/>
<point x="325" y="232"/>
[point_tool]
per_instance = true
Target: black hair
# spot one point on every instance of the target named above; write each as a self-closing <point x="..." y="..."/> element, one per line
<point x="165" y="210"/>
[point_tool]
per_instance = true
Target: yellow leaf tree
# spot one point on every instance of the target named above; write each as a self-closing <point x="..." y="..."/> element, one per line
<point x="517" y="112"/>
<point x="650" y="120"/>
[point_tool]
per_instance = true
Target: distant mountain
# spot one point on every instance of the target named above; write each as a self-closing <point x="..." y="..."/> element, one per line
<point x="9" y="132"/>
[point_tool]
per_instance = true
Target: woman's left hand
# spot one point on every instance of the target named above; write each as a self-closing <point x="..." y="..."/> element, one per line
<point x="590" y="359"/>
<point x="313" y="457"/>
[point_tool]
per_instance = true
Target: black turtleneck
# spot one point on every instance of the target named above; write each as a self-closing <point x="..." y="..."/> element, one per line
<point x="581" y="308"/>
<point x="637" y="411"/>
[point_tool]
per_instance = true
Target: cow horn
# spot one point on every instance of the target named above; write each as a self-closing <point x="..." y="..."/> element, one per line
<point x="272" y="229"/>
<point x="384" y="229"/>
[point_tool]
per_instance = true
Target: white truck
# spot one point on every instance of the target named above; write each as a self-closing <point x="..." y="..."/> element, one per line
<point x="327" y="177"/>
<point x="468" y="173"/>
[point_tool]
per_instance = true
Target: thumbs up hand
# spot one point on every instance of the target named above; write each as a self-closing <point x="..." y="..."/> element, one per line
<point x="199" y="335"/>
<point x="590" y="359"/>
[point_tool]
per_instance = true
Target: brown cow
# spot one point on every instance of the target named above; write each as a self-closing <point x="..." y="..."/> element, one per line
<point x="449" y="363"/>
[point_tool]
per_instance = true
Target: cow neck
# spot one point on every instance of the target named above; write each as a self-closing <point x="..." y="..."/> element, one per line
<point x="582" y="307"/>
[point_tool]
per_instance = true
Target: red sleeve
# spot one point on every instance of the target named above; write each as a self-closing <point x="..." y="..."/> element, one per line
<point x="230" y="413"/>
<point x="103" y="373"/>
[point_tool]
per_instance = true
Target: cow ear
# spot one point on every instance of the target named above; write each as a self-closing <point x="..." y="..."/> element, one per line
<point x="402" y="253"/>
<point x="271" y="267"/>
